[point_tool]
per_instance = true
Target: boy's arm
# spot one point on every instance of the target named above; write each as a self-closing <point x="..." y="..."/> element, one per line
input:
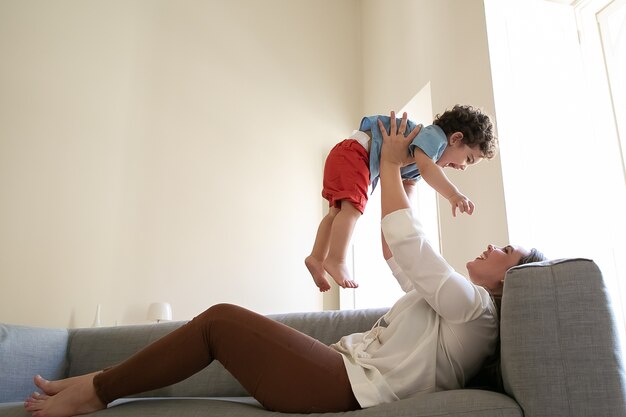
<point x="435" y="177"/>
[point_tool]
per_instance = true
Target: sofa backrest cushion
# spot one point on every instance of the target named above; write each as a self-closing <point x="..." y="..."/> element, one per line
<point x="92" y="349"/>
<point x="25" y="352"/>
<point x="330" y="326"/>
<point x="559" y="345"/>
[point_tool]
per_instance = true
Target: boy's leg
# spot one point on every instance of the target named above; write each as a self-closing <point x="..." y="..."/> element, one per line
<point x="282" y="368"/>
<point x="346" y="179"/>
<point x="340" y="236"/>
<point x="315" y="261"/>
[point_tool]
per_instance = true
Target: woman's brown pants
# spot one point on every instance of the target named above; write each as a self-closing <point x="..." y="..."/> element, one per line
<point x="284" y="369"/>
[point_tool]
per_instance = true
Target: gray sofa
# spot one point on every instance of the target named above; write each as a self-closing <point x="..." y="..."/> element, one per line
<point x="559" y="357"/>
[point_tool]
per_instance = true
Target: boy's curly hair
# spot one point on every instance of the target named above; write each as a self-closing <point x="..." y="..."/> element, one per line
<point x="475" y="125"/>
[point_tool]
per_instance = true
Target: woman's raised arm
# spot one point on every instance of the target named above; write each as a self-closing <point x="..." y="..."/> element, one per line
<point x="450" y="294"/>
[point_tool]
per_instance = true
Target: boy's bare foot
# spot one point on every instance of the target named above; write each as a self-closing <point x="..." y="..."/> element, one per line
<point x="54" y="387"/>
<point x="340" y="273"/>
<point x="318" y="273"/>
<point x="75" y="399"/>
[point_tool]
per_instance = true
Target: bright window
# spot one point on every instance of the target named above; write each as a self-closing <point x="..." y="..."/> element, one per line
<point x="558" y="118"/>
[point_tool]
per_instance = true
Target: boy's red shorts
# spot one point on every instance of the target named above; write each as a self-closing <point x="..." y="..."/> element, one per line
<point x="347" y="175"/>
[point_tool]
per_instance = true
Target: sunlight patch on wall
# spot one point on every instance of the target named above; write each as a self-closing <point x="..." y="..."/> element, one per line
<point x="377" y="287"/>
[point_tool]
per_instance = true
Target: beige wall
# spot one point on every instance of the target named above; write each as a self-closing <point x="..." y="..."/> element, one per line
<point x="172" y="151"/>
<point x="166" y="151"/>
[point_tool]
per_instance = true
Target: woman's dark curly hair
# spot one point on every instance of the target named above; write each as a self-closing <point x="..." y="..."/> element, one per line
<point x="533" y="256"/>
<point x="475" y="125"/>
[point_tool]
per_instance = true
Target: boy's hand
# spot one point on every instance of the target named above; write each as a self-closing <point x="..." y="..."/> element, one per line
<point x="464" y="204"/>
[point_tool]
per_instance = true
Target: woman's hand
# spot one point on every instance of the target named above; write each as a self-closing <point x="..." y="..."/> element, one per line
<point x="393" y="156"/>
<point x="395" y="148"/>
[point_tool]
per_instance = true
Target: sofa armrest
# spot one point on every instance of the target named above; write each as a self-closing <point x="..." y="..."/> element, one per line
<point x="25" y="352"/>
<point x="559" y="346"/>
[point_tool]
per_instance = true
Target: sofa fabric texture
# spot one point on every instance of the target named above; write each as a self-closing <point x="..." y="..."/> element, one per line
<point x="560" y="356"/>
<point x="25" y="348"/>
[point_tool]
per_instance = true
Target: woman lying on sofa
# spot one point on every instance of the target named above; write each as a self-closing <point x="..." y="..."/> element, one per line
<point x="434" y="338"/>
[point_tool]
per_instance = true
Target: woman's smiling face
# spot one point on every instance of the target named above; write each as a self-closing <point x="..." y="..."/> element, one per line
<point x="489" y="268"/>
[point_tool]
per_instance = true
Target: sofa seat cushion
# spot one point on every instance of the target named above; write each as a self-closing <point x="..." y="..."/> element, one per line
<point x="456" y="403"/>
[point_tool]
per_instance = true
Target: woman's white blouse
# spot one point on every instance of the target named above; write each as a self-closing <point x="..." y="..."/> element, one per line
<point x="434" y="338"/>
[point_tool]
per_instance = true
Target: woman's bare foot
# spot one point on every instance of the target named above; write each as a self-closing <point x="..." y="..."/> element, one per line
<point x="340" y="273"/>
<point x="318" y="273"/>
<point x="54" y="387"/>
<point x="75" y="399"/>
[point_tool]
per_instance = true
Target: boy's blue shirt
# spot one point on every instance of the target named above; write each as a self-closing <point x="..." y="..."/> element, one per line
<point x="431" y="139"/>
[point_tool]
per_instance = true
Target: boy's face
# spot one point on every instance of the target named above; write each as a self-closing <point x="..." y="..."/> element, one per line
<point x="458" y="155"/>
